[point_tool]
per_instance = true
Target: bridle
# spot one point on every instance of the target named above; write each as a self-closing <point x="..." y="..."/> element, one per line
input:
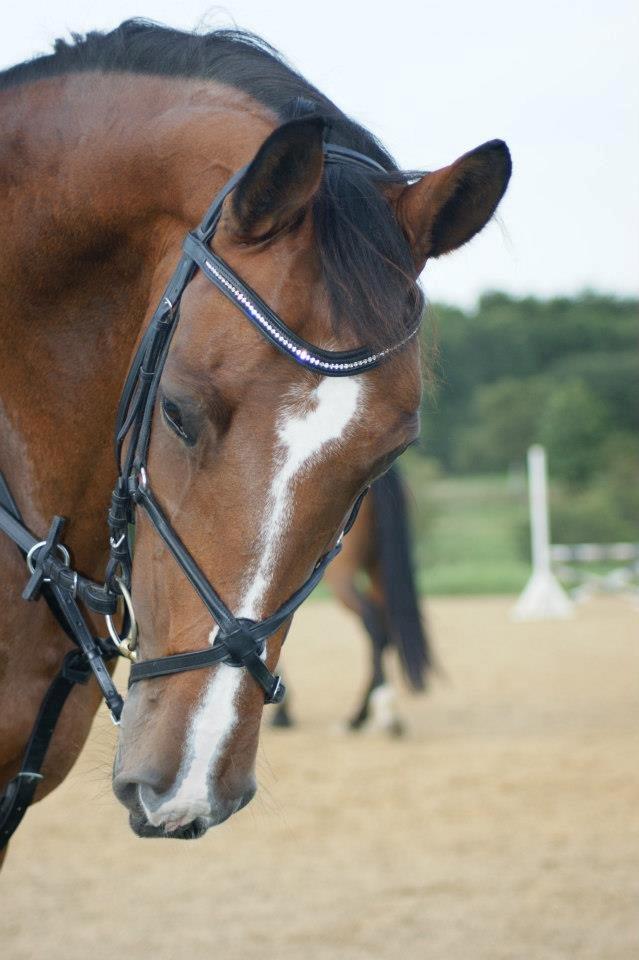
<point x="239" y="641"/>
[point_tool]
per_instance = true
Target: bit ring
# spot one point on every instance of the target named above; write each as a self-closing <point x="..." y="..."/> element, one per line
<point x="126" y="646"/>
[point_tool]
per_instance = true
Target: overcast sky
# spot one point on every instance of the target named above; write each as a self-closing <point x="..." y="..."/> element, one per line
<point x="556" y="80"/>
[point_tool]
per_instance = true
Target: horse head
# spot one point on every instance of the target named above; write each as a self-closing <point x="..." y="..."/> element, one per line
<point x="257" y="460"/>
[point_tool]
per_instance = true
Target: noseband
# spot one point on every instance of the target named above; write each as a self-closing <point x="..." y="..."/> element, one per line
<point x="239" y="642"/>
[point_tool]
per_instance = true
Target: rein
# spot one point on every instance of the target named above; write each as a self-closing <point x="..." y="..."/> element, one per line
<point x="240" y="642"/>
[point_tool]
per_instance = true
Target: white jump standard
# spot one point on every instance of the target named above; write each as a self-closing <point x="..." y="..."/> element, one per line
<point x="543" y="597"/>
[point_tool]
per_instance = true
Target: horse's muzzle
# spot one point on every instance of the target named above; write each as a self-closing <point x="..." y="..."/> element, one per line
<point x="152" y="815"/>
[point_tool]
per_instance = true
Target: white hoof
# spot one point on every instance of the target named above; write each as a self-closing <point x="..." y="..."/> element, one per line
<point x="384" y="717"/>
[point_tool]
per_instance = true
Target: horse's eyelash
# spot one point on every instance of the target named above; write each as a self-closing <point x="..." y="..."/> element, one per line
<point x="177" y="428"/>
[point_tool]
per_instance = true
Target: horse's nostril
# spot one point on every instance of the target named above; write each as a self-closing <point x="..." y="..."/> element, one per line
<point x="125" y="790"/>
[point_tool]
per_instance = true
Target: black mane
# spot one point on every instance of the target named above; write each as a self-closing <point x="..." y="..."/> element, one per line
<point x="366" y="260"/>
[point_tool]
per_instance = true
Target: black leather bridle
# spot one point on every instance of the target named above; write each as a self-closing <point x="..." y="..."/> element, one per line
<point x="239" y="641"/>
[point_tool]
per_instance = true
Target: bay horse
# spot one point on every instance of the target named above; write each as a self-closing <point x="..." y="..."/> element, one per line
<point x="258" y="441"/>
<point x="373" y="577"/>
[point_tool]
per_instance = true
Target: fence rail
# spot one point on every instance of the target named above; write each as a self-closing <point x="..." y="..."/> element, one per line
<point x="594" y="552"/>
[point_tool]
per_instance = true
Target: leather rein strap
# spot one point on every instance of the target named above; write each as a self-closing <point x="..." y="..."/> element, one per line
<point x="19" y="792"/>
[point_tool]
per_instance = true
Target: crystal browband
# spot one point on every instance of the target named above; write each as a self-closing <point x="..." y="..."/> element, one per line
<point x="331" y="362"/>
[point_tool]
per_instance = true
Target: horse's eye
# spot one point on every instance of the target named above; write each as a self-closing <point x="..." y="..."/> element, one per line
<point x="173" y="417"/>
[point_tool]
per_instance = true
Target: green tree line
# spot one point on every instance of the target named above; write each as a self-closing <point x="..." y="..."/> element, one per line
<point x="563" y="372"/>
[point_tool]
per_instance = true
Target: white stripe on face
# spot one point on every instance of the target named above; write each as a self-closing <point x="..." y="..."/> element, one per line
<point x="302" y="437"/>
<point x="304" y="430"/>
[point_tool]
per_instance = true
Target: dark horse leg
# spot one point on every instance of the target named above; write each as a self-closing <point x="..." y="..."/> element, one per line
<point x="373" y="620"/>
<point x="379" y="546"/>
<point x="375" y="705"/>
<point x="377" y="694"/>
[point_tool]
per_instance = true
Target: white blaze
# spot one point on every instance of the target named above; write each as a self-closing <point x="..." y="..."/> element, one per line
<point x="304" y="430"/>
<point x="302" y="436"/>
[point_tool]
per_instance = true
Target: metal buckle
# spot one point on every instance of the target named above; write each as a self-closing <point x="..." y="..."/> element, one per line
<point x="126" y="646"/>
<point x="115" y="544"/>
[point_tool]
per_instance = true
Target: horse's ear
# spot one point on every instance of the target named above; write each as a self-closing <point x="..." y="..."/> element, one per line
<point x="444" y="209"/>
<point x="280" y="181"/>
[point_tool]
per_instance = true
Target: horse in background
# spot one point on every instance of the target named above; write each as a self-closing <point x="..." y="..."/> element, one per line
<point x="379" y="546"/>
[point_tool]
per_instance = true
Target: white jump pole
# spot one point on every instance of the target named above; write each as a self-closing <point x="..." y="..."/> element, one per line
<point x="543" y="598"/>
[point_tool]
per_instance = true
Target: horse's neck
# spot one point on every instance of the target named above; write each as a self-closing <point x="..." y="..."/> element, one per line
<point x="105" y="173"/>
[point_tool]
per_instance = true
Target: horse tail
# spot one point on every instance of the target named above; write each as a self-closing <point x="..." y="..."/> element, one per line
<point x="393" y="541"/>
